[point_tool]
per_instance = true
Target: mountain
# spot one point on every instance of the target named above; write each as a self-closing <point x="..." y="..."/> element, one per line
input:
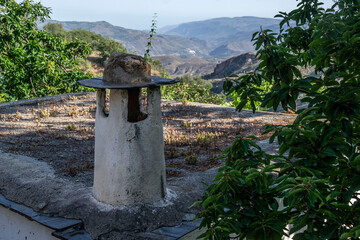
<point x="229" y="36"/>
<point x="235" y="65"/>
<point x="208" y="68"/>
<point x="218" y="37"/>
<point x="232" y="49"/>
<point x="136" y="40"/>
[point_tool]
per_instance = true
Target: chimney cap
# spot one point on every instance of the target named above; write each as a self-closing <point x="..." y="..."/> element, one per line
<point x="101" y="84"/>
<point x="124" y="70"/>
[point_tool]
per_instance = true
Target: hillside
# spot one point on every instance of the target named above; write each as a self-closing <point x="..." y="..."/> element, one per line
<point x="231" y="49"/>
<point x="136" y="41"/>
<point x="218" y="38"/>
<point x="176" y="66"/>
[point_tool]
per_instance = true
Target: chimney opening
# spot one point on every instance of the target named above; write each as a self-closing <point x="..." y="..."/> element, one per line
<point x="134" y="110"/>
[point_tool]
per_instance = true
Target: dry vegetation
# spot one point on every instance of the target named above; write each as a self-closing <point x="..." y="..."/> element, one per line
<point x="61" y="132"/>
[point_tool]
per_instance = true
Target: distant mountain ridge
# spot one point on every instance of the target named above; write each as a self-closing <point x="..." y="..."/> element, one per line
<point x="217" y="31"/>
<point x="229" y="36"/>
<point x="136" y="40"/>
<point x="218" y="37"/>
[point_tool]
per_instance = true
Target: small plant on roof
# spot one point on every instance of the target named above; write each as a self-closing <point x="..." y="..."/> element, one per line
<point x="151" y="38"/>
<point x="191" y="157"/>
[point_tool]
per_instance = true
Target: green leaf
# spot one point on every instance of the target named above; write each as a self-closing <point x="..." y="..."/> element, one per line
<point x="251" y="176"/>
<point x="209" y="200"/>
<point x="329" y="152"/>
<point x="283" y="187"/>
<point x="296" y="191"/>
<point x="269" y="168"/>
<point x="299" y="223"/>
<point x="283" y="149"/>
<point x="195" y="204"/>
<point x="222" y="228"/>
<point x="356" y="161"/>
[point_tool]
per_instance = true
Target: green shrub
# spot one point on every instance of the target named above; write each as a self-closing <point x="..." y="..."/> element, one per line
<point x="35" y="63"/>
<point x="316" y="173"/>
<point x="197" y="80"/>
<point x="193" y="93"/>
<point x="191" y="157"/>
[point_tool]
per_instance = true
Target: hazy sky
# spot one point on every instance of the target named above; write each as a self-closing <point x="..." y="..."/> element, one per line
<point x="137" y="14"/>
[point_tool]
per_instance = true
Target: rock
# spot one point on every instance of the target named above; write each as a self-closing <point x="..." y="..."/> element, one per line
<point x="127" y="68"/>
<point x="235" y="65"/>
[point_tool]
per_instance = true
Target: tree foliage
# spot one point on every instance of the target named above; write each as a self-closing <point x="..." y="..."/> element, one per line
<point x="33" y="62"/>
<point x="55" y="29"/>
<point x="310" y="189"/>
<point x="104" y="46"/>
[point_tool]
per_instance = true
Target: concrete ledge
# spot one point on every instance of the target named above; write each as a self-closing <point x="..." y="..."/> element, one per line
<point x="40" y="100"/>
<point x="68" y="229"/>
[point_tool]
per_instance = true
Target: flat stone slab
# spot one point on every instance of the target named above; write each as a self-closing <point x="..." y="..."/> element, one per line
<point x="179" y="230"/>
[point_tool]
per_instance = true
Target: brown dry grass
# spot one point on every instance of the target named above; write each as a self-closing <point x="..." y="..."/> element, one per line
<point x="61" y="132"/>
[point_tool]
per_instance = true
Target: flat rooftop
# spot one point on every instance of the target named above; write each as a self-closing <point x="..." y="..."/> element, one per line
<point x="46" y="162"/>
